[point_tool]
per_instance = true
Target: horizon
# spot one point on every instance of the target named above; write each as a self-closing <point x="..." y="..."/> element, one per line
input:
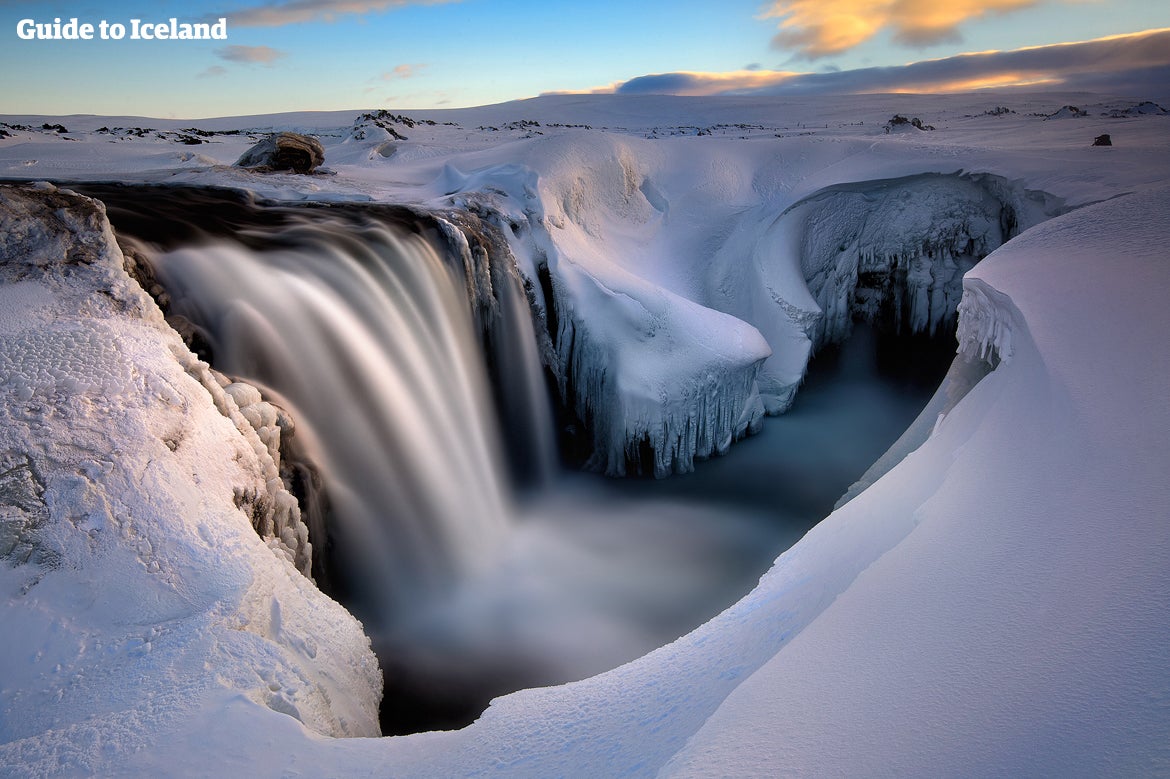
<point x="330" y="55"/>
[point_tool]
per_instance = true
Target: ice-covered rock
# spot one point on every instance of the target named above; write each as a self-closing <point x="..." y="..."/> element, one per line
<point x="130" y="484"/>
<point x="659" y="380"/>
<point x="284" y="151"/>
<point x="894" y="252"/>
<point x="654" y="378"/>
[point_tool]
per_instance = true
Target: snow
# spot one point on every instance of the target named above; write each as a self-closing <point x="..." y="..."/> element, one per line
<point x="1021" y="625"/>
<point x="992" y="600"/>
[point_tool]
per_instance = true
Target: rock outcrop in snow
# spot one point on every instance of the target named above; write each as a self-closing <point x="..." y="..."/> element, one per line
<point x="131" y="479"/>
<point x="284" y="151"/>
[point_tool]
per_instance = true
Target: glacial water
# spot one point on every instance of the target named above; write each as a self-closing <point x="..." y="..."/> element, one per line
<point x="476" y="562"/>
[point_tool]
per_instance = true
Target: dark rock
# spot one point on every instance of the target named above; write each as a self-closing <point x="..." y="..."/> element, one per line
<point x="1103" y="140"/>
<point x="284" y="151"/>
<point x="899" y="122"/>
<point x="1068" y="112"/>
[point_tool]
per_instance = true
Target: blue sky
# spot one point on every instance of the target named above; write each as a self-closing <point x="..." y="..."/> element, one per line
<point x="285" y="55"/>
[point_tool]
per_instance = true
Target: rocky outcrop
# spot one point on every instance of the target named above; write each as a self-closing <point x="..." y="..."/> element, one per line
<point x="284" y="152"/>
<point x="900" y="123"/>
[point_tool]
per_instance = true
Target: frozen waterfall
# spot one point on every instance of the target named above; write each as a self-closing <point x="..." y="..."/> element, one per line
<point x="367" y="338"/>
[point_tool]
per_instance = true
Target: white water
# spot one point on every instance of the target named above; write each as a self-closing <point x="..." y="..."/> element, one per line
<point x="368" y="342"/>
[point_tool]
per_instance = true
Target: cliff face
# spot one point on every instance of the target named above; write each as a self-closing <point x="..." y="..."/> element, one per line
<point x="132" y="489"/>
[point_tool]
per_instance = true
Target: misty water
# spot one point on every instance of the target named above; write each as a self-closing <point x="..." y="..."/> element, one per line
<point x="470" y="584"/>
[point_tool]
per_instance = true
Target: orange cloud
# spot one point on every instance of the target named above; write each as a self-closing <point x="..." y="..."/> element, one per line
<point x="405" y="70"/>
<point x="999" y="81"/>
<point x="819" y="28"/>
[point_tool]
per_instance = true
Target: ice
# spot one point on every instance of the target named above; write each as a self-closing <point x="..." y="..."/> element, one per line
<point x="895" y="251"/>
<point x="648" y="369"/>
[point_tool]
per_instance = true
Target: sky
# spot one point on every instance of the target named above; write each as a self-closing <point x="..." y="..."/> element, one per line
<point x="297" y="55"/>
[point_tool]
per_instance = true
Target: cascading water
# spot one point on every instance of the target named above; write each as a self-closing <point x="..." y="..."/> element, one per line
<point x="368" y="341"/>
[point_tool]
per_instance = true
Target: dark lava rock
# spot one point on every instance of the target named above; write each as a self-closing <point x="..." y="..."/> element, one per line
<point x="898" y="122"/>
<point x="1103" y="140"/>
<point x="284" y="151"/>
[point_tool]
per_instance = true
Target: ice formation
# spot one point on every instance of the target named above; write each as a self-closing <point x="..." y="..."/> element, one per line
<point x="654" y="379"/>
<point x="894" y="252"/>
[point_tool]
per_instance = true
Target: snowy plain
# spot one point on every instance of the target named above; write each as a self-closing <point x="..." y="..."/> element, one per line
<point x="994" y="604"/>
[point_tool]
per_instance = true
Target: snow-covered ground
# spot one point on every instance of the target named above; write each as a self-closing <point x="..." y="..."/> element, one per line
<point x="995" y="603"/>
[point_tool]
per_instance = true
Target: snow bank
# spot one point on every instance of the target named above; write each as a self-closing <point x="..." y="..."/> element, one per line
<point x="134" y="584"/>
<point x="1021" y="627"/>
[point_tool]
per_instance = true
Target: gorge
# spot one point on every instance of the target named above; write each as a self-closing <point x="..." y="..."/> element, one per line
<point x="420" y="442"/>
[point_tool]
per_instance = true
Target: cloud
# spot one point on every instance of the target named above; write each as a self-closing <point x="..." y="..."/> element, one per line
<point x="251" y="54"/>
<point x="697" y="84"/>
<point x="213" y="71"/>
<point x="406" y="70"/>
<point x="820" y="28"/>
<point x="299" y="11"/>
<point x="1137" y="64"/>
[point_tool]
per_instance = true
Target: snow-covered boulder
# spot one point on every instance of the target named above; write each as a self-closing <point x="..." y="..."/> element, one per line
<point x="133" y="583"/>
<point x="284" y="151"/>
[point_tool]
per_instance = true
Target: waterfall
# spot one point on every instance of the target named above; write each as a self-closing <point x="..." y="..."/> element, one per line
<point x="402" y="345"/>
<point x="367" y="338"/>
